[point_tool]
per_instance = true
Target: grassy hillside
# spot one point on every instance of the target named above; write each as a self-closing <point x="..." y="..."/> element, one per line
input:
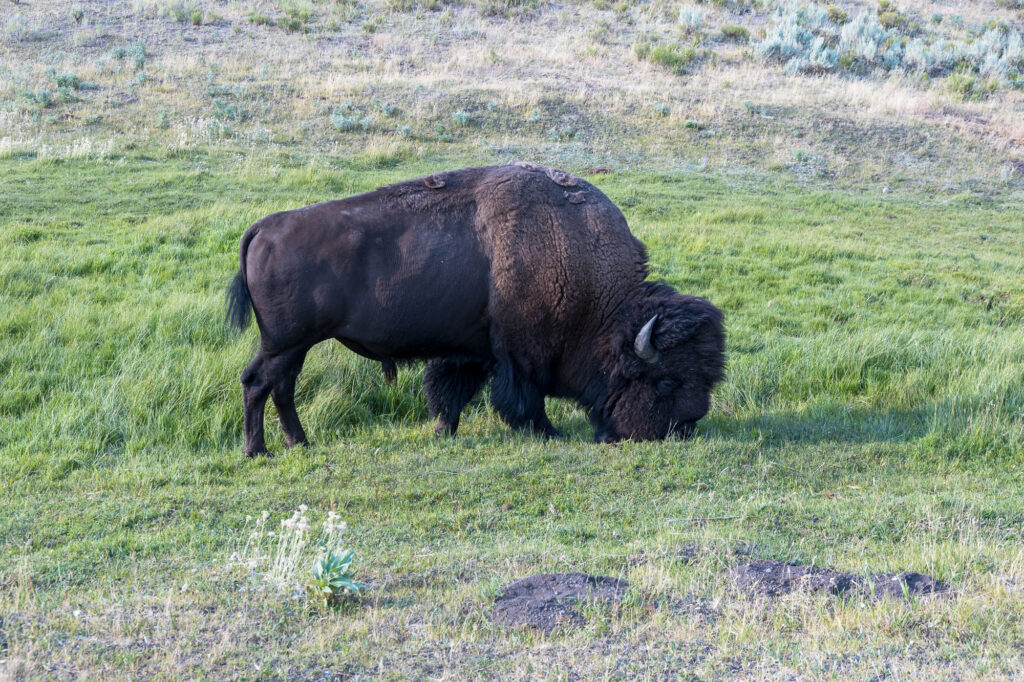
<point x="854" y="205"/>
<point x="870" y="422"/>
<point x="912" y="92"/>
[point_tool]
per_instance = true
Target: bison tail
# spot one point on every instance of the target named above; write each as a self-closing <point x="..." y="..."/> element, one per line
<point x="239" y="303"/>
<point x="238" y="298"/>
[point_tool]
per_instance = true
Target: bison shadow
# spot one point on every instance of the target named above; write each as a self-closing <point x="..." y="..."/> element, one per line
<point x="842" y="423"/>
<point x="342" y="392"/>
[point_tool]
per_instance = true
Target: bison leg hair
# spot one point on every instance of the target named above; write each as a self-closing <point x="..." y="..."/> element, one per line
<point x="519" y="402"/>
<point x="450" y="385"/>
<point x="255" y="390"/>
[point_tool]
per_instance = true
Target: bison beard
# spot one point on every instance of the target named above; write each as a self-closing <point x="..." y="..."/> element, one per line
<point x="521" y="274"/>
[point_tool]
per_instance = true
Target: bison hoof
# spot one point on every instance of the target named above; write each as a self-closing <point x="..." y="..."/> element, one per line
<point x="259" y="453"/>
<point x="292" y="443"/>
<point x="552" y="434"/>
<point x="443" y="430"/>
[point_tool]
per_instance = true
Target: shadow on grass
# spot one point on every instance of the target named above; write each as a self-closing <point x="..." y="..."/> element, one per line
<point x="968" y="427"/>
<point x="836" y="424"/>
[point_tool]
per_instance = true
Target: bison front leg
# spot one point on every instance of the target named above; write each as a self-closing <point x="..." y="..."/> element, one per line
<point x="520" y="402"/>
<point x="450" y="385"/>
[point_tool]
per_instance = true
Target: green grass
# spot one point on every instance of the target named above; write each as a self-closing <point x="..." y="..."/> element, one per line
<point x="871" y="421"/>
<point x="674" y="56"/>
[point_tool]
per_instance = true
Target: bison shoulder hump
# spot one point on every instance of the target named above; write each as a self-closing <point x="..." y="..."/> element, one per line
<point x="559" y="177"/>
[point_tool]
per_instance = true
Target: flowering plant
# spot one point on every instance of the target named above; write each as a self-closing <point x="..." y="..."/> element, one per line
<point x="277" y="559"/>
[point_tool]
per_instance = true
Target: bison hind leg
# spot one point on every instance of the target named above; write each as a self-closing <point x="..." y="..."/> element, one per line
<point x="272" y="374"/>
<point x="450" y="384"/>
<point x="282" y="370"/>
<point x="255" y="391"/>
<point x="520" y="402"/>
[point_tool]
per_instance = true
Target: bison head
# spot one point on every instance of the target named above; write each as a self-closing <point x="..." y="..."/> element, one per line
<point x="669" y="355"/>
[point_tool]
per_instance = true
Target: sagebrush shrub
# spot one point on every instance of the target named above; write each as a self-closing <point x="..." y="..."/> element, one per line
<point x="811" y="39"/>
<point x="691" y="18"/>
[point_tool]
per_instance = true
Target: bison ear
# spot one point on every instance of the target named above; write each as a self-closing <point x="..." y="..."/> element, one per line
<point x="645" y="350"/>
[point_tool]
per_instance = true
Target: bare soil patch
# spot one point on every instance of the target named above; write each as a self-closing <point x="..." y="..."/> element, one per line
<point x="545" y="601"/>
<point x="775" y="578"/>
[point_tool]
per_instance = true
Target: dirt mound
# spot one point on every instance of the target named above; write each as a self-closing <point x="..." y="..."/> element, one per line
<point x="774" y="578"/>
<point x="545" y="601"/>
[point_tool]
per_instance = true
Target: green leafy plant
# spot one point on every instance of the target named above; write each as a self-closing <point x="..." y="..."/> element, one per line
<point x="837" y="15"/>
<point x="507" y="8"/>
<point x="333" y="579"/>
<point x="42" y="99"/>
<point x="182" y="11"/>
<point x="674" y="56"/>
<point x="736" y="33"/>
<point x="260" y="19"/>
<point x="890" y="19"/>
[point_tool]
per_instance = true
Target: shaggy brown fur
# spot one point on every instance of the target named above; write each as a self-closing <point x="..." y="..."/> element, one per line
<point x="520" y="272"/>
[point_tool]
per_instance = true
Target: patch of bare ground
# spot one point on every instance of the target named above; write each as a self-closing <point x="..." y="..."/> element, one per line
<point x="547" y="601"/>
<point x="775" y="578"/>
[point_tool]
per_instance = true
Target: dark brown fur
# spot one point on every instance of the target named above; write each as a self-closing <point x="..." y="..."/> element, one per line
<point x="486" y="272"/>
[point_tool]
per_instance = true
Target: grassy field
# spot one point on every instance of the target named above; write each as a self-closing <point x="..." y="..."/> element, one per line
<point x="871" y="421"/>
<point x="863" y="232"/>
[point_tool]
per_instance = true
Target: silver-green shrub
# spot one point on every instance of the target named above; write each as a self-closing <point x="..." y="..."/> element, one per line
<point x="691" y="18"/>
<point x="804" y="39"/>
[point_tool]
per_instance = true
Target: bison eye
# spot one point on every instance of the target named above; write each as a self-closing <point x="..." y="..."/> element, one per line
<point x="667" y="386"/>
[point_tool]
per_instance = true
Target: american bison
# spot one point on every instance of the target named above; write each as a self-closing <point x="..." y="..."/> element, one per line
<point x="520" y="273"/>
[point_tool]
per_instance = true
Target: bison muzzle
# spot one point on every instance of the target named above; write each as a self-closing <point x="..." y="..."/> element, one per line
<point x="520" y="274"/>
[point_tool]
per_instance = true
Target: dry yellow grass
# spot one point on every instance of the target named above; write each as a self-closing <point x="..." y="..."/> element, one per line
<point x="557" y="81"/>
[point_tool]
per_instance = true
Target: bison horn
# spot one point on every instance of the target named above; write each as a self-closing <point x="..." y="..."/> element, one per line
<point x="643" y="347"/>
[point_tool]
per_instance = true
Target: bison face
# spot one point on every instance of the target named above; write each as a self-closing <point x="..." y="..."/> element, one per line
<point x="666" y="371"/>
